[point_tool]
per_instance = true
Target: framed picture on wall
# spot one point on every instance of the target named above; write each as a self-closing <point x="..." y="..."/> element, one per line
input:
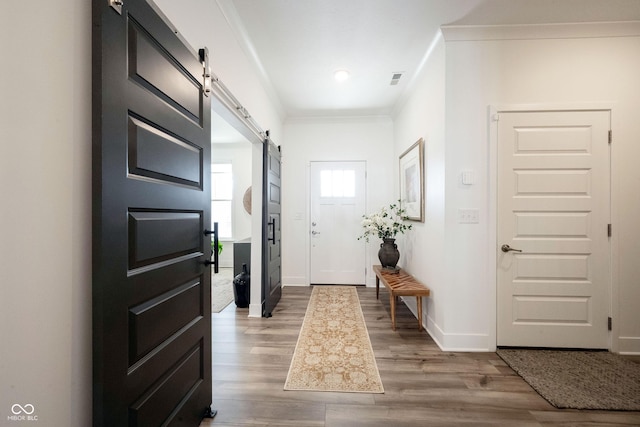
<point x="412" y="181"/>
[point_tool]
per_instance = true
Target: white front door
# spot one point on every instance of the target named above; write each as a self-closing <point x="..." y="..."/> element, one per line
<point x="337" y="205"/>
<point x="553" y="212"/>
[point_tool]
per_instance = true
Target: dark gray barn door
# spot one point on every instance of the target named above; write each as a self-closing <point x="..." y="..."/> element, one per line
<point x="272" y="273"/>
<point x="151" y="204"/>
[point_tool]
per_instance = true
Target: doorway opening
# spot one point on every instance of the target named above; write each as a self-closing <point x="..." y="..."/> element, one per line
<point x="231" y="207"/>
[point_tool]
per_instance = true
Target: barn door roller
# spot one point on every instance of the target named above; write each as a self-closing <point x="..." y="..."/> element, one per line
<point x="116" y="5"/>
<point x="204" y="59"/>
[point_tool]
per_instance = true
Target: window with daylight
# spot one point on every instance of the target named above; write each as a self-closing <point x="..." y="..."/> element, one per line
<point x="337" y="183"/>
<point x="222" y="199"/>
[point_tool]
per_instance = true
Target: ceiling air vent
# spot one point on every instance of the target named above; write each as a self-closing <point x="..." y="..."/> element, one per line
<point x="395" y="78"/>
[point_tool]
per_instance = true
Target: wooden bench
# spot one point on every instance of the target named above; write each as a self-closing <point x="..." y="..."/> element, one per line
<point x="400" y="284"/>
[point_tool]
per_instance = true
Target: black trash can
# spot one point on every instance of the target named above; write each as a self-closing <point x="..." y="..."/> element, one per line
<point x="241" y="288"/>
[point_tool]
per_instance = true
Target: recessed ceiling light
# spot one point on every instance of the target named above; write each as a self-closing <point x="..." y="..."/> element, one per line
<point x="341" y="75"/>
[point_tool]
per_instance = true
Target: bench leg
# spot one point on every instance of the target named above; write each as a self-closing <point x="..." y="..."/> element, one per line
<point x="377" y="287"/>
<point x="419" y="302"/>
<point x="392" y="303"/>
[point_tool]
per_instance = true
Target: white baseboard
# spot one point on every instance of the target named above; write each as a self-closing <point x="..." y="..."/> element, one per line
<point x="449" y="341"/>
<point x="302" y="281"/>
<point x="629" y="345"/>
<point x="255" y="310"/>
<point x="294" y="281"/>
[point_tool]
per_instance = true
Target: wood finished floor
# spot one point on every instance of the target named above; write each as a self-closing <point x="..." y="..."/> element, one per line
<point x="423" y="385"/>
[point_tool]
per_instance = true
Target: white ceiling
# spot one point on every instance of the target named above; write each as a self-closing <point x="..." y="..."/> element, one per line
<point x="297" y="44"/>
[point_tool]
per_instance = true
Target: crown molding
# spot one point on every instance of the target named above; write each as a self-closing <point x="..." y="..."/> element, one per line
<point x="541" y="31"/>
<point x="337" y="118"/>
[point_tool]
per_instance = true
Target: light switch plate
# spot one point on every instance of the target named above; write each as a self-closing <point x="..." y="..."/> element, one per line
<point x="468" y="177"/>
<point x="468" y="216"/>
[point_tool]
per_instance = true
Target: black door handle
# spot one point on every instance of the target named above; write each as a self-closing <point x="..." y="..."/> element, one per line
<point x="272" y="224"/>
<point x="215" y="262"/>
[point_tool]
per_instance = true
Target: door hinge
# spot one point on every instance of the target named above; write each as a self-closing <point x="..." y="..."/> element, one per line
<point x="116" y="5"/>
<point x="495" y="117"/>
<point x="204" y="60"/>
<point x="610" y="136"/>
<point x="609" y="323"/>
<point x="609" y="230"/>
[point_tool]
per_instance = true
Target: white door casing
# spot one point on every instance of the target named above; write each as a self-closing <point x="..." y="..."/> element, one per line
<point x="337" y="205"/>
<point x="554" y="205"/>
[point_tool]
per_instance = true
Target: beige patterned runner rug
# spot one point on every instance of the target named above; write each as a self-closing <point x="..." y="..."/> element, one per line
<point x="333" y="352"/>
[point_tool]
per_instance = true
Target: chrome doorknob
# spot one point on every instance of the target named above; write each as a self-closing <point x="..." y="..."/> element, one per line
<point x="507" y="248"/>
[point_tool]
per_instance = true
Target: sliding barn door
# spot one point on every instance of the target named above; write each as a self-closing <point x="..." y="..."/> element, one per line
<point x="272" y="226"/>
<point x="151" y="204"/>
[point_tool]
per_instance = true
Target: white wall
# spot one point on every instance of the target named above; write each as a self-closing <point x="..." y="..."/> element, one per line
<point x="45" y="212"/>
<point x="580" y="71"/>
<point x="330" y="139"/>
<point x="422" y="116"/>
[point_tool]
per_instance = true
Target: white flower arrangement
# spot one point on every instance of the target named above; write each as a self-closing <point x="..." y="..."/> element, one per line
<point x="385" y="223"/>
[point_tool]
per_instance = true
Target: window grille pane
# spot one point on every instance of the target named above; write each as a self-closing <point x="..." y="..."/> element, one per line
<point x="349" y="183"/>
<point x="222" y="214"/>
<point x="325" y="183"/>
<point x="337" y="183"/>
<point x="221" y="186"/>
<point x="222" y="198"/>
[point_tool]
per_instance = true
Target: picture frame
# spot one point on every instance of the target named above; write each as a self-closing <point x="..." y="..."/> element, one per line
<point x="412" y="181"/>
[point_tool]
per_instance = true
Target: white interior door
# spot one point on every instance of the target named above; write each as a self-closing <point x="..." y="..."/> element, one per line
<point x="337" y="205"/>
<point x="553" y="212"/>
